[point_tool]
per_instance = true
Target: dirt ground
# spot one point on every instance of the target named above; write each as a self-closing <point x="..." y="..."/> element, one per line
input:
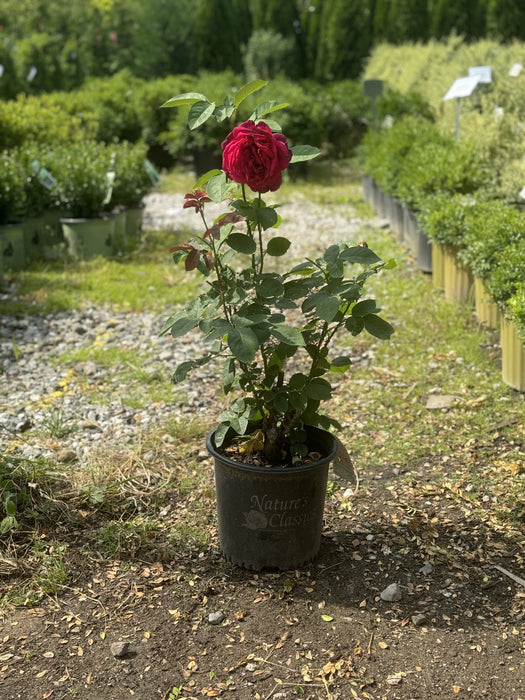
<point x="322" y="632"/>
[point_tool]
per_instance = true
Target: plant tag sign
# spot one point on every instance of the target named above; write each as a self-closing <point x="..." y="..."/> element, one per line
<point x="152" y="172"/>
<point x="46" y="179"/>
<point x="484" y="72"/>
<point x="1" y="70"/>
<point x="372" y="88"/>
<point x="515" y="70"/>
<point x="522" y="193"/>
<point x="462" y="87"/>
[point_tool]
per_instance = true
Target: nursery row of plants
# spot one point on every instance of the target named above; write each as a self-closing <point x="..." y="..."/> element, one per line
<point x="88" y="153"/>
<point x="46" y="190"/>
<point x="127" y="108"/>
<point x="429" y="69"/>
<point x="455" y="200"/>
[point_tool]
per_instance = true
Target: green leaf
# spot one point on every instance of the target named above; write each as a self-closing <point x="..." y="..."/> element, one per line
<point x="302" y="153"/>
<point x="274" y="126"/>
<point x="336" y="270"/>
<point x="266" y="217"/>
<point x="199" y="113"/>
<point x="7" y="523"/>
<point x="206" y="177"/>
<point x="267" y="108"/>
<point x="185" y="367"/>
<point x="297" y="401"/>
<point x="362" y="308"/>
<point x="297" y="381"/>
<point x="304" y="268"/>
<point x="226" y="110"/>
<point x="242" y="243"/>
<point x="247" y="90"/>
<point x="187" y="98"/>
<point x="243" y="343"/>
<point x="378" y="327"/>
<point x="327" y="618"/>
<point x="340" y="364"/>
<point x="10" y="506"/>
<point x="220" y="433"/>
<point x="354" y="325"/>
<point x="183" y="325"/>
<point x="288" y="335"/>
<point x="218" y="186"/>
<point x="280" y="402"/>
<point x="332" y="253"/>
<point x="269" y="287"/>
<point x="327" y="307"/>
<point x="360" y="254"/>
<point x="228" y="375"/>
<point x="318" y="389"/>
<point x="278" y="246"/>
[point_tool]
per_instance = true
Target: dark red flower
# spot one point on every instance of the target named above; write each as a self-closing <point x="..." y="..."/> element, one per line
<point x="254" y="155"/>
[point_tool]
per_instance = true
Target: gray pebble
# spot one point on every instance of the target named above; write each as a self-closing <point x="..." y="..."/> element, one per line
<point x="119" y="649"/>
<point x="419" y="619"/>
<point x="426" y="569"/>
<point x="216" y="618"/>
<point x="392" y="593"/>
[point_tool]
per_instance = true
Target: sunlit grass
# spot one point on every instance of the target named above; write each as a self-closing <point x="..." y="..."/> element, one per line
<point x="145" y="280"/>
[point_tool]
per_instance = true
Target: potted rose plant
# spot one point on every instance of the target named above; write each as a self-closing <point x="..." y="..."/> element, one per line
<point x="274" y="327"/>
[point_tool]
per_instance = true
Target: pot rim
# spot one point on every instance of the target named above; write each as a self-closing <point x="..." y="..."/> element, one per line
<point x="210" y="446"/>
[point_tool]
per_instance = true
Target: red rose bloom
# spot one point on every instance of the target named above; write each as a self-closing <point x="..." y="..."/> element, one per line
<point x="254" y="155"/>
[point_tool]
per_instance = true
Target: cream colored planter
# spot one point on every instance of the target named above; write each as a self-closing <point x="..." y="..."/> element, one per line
<point x="487" y="311"/>
<point x="438" y="270"/>
<point x="458" y="279"/>
<point x="512" y="356"/>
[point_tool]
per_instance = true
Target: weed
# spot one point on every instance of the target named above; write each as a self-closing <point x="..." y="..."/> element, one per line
<point x="57" y="424"/>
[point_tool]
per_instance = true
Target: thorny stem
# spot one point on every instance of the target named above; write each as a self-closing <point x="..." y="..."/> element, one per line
<point x="217" y="266"/>
<point x="259" y="227"/>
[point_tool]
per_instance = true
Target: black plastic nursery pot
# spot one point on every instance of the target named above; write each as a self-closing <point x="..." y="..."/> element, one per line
<point x="272" y="517"/>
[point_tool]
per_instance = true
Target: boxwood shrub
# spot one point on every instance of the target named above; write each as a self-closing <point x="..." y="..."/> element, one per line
<point x="507" y="274"/>
<point x="12" y="189"/>
<point x="516" y="309"/>
<point x="490" y="227"/>
<point x="443" y="217"/>
<point x="132" y="181"/>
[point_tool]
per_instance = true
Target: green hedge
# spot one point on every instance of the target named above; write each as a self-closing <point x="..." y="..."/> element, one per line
<point x="453" y="186"/>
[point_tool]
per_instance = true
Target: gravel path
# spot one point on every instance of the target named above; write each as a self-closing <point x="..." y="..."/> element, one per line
<point x="64" y="409"/>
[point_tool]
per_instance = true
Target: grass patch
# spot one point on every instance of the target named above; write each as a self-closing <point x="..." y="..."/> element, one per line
<point x="145" y="280"/>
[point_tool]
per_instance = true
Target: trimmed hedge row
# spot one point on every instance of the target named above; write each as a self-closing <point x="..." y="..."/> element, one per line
<point x="124" y="107"/>
<point x="460" y="203"/>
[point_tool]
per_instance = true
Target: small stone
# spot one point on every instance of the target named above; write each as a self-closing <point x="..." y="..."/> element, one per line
<point x="90" y="425"/>
<point x="251" y="667"/>
<point x="66" y="455"/>
<point x="440" y="401"/>
<point x="23" y="426"/>
<point x="419" y="619"/>
<point x="119" y="649"/>
<point x="426" y="569"/>
<point x="216" y="618"/>
<point x="392" y="593"/>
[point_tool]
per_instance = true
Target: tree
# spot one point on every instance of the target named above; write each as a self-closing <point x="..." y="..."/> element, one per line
<point x="506" y="19"/>
<point x="465" y="17"/>
<point x="221" y="28"/>
<point x="163" y="38"/>
<point x="343" y="40"/>
<point x="281" y="18"/>
<point x="408" y="21"/>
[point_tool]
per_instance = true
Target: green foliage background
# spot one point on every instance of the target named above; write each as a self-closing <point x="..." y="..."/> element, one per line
<point x="46" y="45"/>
